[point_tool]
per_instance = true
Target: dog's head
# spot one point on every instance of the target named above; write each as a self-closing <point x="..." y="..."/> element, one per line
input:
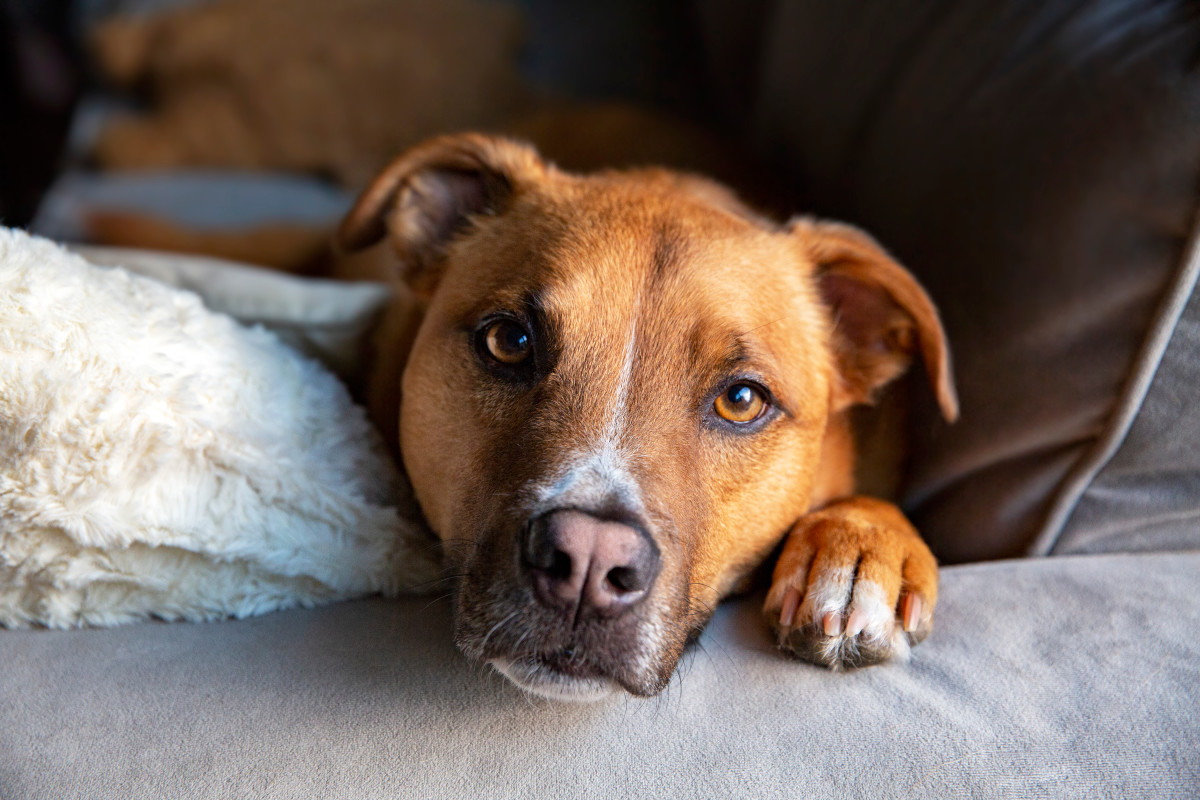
<point x="625" y="389"/>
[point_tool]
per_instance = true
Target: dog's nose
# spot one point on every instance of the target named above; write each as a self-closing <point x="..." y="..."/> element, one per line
<point x="582" y="563"/>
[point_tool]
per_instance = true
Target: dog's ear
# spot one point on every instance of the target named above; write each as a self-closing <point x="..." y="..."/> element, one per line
<point x="430" y="193"/>
<point x="881" y="315"/>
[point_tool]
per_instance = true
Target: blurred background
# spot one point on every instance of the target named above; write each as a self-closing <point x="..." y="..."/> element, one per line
<point x="1033" y="162"/>
<point x="67" y="72"/>
<point x="39" y="85"/>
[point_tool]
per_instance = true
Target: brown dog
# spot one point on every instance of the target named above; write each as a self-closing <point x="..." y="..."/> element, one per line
<point x="623" y="391"/>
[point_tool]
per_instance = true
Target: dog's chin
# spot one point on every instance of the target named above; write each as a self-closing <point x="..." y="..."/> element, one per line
<point x="537" y="677"/>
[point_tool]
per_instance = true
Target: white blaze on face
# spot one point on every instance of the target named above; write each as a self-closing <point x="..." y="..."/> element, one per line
<point x="590" y="480"/>
<point x="599" y="474"/>
<point x="614" y="426"/>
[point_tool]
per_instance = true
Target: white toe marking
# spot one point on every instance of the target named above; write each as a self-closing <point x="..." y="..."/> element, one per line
<point x="871" y="603"/>
<point x="881" y="626"/>
<point x="829" y="592"/>
<point x="862" y="602"/>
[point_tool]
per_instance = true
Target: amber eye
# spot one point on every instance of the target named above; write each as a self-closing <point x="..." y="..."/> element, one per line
<point x="741" y="403"/>
<point x="507" y="342"/>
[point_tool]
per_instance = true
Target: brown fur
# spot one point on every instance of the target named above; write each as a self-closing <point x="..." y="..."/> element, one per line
<point x="663" y="286"/>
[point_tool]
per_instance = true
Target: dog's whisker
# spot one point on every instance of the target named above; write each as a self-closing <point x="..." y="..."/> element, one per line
<point x="437" y="600"/>
<point x="483" y="644"/>
<point x="427" y="585"/>
<point x="517" y="645"/>
<point x="760" y="327"/>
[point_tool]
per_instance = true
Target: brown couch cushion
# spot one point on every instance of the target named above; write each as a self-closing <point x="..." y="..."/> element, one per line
<point x="1035" y="164"/>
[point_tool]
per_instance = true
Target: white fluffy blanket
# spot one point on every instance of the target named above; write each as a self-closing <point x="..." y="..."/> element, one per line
<point x="158" y="459"/>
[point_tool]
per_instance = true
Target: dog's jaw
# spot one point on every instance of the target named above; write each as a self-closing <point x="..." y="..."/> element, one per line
<point x="540" y="679"/>
<point x="500" y="624"/>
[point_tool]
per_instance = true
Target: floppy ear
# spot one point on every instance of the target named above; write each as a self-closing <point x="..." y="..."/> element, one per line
<point x="881" y="315"/>
<point x="430" y="193"/>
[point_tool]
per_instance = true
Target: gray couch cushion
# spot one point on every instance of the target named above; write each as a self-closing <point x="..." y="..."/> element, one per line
<point x="1140" y="489"/>
<point x="1036" y="165"/>
<point x="199" y="200"/>
<point x="1066" y="677"/>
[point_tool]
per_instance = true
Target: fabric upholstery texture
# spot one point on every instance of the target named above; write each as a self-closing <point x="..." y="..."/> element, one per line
<point x="1071" y="677"/>
<point x="1035" y="164"/>
<point x="1145" y="492"/>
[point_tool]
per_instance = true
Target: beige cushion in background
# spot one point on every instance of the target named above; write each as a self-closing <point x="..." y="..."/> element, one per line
<point x="1036" y="166"/>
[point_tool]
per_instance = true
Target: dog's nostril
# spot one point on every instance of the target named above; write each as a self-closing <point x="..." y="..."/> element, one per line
<point x="539" y="551"/>
<point x="624" y="579"/>
<point x="560" y="566"/>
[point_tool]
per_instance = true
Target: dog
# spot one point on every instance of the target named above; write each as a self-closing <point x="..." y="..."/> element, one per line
<point x="617" y="394"/>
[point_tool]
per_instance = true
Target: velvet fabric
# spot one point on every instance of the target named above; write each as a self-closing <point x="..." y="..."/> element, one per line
<point x="1068" y="677"/>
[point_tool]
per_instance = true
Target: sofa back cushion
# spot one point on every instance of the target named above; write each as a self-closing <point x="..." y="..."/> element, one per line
<point x="1036" y="166"/>
<point x="1140" y="488"/>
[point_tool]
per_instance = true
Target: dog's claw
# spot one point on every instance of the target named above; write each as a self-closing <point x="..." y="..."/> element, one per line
<point x="832" y="623"/>
<point x="910" y="611"/>
<point x="855" y="624"/>
<point x="787" y="614"/>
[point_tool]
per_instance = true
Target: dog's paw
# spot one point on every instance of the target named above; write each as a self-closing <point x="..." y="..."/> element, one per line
<point x="854" y="586"/>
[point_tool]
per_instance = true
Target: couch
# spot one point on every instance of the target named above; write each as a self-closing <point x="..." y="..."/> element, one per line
<point x="1036" y="165"/>
<point x="1065" y="677"/>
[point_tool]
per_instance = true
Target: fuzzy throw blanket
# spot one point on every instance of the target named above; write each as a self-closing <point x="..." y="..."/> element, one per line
<point x="158" y="459"/>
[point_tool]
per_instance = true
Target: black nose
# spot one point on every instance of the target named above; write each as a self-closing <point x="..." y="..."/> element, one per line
<point x="584" y="564"/>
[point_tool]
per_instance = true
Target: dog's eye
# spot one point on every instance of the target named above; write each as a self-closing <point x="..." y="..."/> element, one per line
<point x="740" y="403"/>
<point x="507" y="342"/>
